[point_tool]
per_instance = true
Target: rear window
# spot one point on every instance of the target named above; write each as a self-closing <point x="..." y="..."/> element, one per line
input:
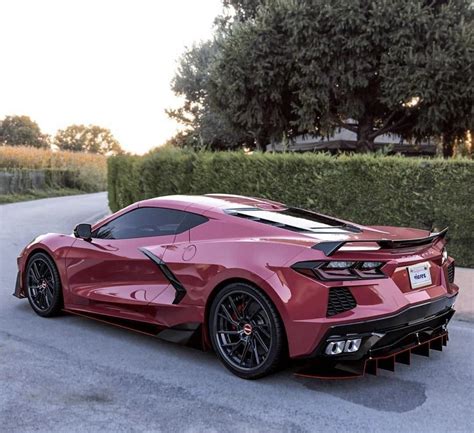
<point x="294" y="219"/>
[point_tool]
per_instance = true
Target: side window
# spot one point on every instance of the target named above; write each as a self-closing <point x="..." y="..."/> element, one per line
<point x="147" y="222"/>
<point x="191" y="220"/>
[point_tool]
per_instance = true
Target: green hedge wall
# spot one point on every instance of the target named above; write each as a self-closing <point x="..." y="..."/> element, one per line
<point x="383" y="190"/>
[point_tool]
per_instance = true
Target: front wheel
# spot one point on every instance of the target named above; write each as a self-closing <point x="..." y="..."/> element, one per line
<point x="246" y="331"/>
<point x="43" y="286"/>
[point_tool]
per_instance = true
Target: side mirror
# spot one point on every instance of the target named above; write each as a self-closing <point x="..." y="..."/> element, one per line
<point x="83" y="231"/>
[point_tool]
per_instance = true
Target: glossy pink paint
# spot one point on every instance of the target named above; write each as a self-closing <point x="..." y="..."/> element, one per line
<point x="114" y="277"/>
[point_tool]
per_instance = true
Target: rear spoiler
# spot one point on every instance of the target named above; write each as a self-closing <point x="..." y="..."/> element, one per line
<point x="329" y="248"/>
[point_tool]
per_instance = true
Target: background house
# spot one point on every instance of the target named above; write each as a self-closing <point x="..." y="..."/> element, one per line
<point x="345" y="140"/>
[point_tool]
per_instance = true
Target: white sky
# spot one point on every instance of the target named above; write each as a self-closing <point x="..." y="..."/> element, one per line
<point x="104" y="62"/>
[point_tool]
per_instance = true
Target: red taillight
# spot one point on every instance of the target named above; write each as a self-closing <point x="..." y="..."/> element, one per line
<point x="337" y="270"/>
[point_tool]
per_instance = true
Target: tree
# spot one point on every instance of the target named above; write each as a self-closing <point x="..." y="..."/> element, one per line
<point x="91" y="139"/>
<point x="204" y="126"/>
<point x="370" y="66"/>
<point x="242" y="10"/>
<point x="207" y="127"/>
<point x="21" y="131"/>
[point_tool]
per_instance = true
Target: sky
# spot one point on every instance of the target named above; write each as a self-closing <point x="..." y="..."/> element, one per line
<point x="102" y="62"/>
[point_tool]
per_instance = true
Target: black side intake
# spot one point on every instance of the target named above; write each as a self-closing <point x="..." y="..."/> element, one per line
<point x="340" y="300"/>
<point x="451" y="272"/>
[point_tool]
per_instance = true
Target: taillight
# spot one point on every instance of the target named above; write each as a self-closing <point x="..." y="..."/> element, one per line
<point x="337" y="270"/>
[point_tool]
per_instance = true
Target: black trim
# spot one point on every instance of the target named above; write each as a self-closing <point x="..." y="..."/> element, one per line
<point x="329" y="248"/>
<point x="324" y="368"/>
<point x="391" y="244"/>
<point x="451" y="273"/>
<point x="188" y="334"/>
<point x="340" y="300"/>
<point x="17" y="293"/>
<point x="383" y="334"/>
<point x="409" y="314"/>
<point x="168" y="274"/>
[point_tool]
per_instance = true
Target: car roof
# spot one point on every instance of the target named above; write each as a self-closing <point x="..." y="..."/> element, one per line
<point x="202" y="203"/>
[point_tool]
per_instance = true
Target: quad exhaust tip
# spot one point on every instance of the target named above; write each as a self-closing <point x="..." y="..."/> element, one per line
<point x="348" y="346"/>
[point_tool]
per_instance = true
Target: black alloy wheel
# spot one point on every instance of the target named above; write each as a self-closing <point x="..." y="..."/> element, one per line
<point x="246" y="331"/>
<point x="43" y="285"/>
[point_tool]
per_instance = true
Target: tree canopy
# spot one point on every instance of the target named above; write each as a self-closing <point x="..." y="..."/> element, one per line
<point x="21" y="131"/>
<point x="205" y="127"/>
<point x="288" y="67"/>
<point x="91" y="139"/>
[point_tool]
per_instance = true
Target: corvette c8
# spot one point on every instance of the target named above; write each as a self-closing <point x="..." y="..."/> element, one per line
<point x="255" y="280"/>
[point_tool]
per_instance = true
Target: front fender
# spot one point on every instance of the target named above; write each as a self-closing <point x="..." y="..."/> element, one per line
<point x="54" y="244"/>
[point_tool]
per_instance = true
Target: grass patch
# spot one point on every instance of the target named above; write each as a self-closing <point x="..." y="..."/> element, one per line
<point x="84" y="171"/>
<point x="34" y="195"/>
<point x="33" y="158"/>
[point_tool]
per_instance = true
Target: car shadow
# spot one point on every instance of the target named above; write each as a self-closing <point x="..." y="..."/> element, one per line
<point x="383" y="393"/>
<point x="386" y="392"/>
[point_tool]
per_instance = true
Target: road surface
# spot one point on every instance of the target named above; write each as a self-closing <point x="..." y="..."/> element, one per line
<point x="69" y="374"/>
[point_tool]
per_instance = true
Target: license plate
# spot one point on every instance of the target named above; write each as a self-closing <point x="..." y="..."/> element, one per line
<point x="420" y="275"/>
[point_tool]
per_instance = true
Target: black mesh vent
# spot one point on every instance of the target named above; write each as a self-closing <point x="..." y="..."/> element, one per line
<point x="340" y="300"/>
<point x="451" y="272"/>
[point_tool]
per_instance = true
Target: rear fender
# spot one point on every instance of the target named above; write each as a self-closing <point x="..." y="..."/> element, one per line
<point x="204" y="267"/>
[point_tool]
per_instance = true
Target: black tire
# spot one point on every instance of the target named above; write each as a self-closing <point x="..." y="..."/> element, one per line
<point x="246" y="331"/>
<point x="43" y="285"/>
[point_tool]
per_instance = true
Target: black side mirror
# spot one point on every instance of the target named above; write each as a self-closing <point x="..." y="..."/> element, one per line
<point x="83" y="231"/>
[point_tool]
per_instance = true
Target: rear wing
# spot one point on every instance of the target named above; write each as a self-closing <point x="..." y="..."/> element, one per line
<point x="329" y="248"/>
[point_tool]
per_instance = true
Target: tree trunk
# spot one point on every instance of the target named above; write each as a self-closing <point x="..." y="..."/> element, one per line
<point x="261" y="141"/>
<point x="365" y="142"/>
<point x="448" y="146"/>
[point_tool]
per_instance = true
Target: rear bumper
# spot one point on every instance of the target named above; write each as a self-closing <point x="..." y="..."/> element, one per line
<point x="381" y="336"/>
<point x="385" y="341"/>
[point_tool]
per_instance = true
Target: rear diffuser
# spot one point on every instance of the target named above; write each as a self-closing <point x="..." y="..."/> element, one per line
<point x="354" y="369"/>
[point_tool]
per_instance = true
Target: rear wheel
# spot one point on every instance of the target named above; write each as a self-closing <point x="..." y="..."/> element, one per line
<point x="43" y="286"/>
<point x="246" y="331"/>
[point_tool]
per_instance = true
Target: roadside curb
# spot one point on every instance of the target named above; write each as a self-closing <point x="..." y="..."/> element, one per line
<point x="464" y="278"/>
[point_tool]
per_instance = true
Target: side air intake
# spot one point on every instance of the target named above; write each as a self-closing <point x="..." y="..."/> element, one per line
<point x="340" y="300"/>
<point x="451" y="272"/>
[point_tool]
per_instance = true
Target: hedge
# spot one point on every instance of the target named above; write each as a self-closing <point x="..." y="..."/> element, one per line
<point x="367" y="189"/>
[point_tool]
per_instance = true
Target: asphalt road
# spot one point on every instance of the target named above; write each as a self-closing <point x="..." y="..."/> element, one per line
<point x="69" y="374"/>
